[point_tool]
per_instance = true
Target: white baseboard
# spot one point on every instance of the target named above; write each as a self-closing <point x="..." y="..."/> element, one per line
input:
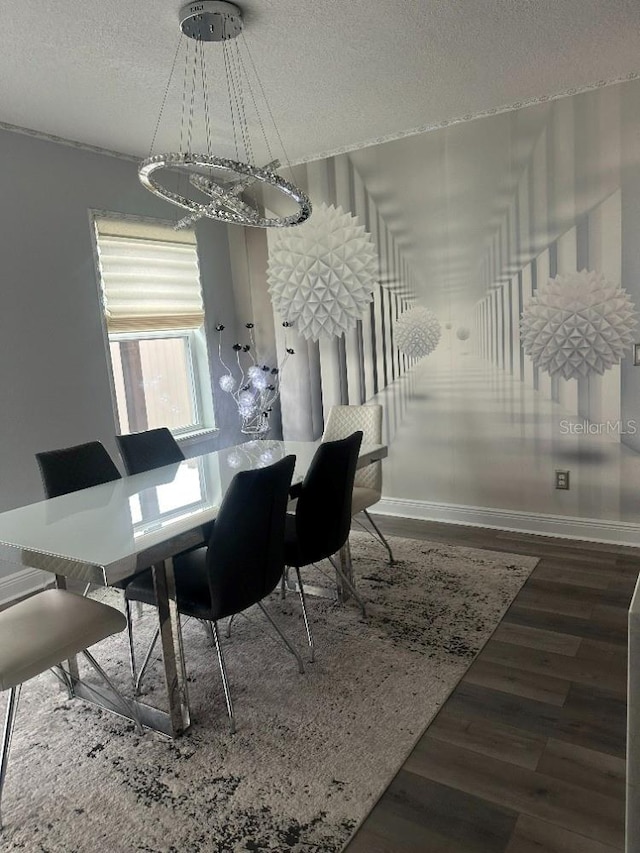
<point x="566" y="527"/>
<point x="22" y="583"/>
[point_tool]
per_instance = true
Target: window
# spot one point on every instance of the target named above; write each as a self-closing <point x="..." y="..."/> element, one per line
<point x="154" y="315"/>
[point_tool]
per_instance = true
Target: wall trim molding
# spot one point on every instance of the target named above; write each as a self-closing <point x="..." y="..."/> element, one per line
<point x="504" y="108"/>
<point x="564" y="527"/>
<point x="22" y="583"/>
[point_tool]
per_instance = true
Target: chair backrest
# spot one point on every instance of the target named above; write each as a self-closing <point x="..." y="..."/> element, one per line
<point x="73" y="468"/>
<point x="342" y="421"/>
<point x="323" y="509"/>
<point x="143" y="451"/>
<point x="245" y="557"/>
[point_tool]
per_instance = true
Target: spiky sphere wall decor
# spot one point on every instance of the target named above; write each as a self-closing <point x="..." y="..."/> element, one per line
<point x="321" y="274"/>
<point x="578" y="324"/>
<point x="417" y="332"/>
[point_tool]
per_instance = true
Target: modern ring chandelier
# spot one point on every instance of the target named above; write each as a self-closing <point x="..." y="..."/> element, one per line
<point x="205" y="184"/>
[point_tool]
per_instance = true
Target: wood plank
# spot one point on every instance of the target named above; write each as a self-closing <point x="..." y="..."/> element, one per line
<point x="481" y="703"/>
<point x="368" y="841"/>
<point x="529" y="792"/>
<point x="417" y="810"/>
<point x="574" y="626"/>
<point x="613" y="653"/>
<point x="537" y="638"/>
<point x="560" y="603"/>
<point x="597" y="771"/>
<point x="489" y="738"/>
<point x="560" y="572"/>
<point x="594" y="718"/>
<point x="532" y="835"/>
<point x="579" y="592"/>
<point x="611" y="674"/>
<point x="520" y="682"/>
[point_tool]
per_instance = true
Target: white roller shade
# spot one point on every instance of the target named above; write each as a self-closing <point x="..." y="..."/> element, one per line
<point x="149" y="283"/>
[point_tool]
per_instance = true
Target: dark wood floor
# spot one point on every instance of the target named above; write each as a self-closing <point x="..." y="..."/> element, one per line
<point x="528" y="753"/>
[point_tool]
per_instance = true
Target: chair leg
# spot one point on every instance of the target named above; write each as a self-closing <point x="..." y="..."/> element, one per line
<point x="132" y="651"/>
<point x="223" y="675"/>
<point x="284" y="582"/>
<point x="10" y="719"/>
<point x="129" y="707"/>
<point x="345" y="580"/>
<point x="305" y="616"/>
<point x="229" y="624"/>
<point x="62" y="676"/>
<point x="380" y="536"/>
<point x="283" y="637"/>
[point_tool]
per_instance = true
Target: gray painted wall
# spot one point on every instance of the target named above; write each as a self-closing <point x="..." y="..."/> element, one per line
<point x="54" y="381"/>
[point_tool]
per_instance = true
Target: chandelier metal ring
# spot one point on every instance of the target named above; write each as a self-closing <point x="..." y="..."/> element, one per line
<point x="226" y="204"/>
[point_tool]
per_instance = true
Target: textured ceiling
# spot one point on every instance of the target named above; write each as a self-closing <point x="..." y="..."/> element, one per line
<point x="337" y="75"/>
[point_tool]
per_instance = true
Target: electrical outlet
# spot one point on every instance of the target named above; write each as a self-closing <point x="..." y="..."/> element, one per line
<point x="562" y="479"/>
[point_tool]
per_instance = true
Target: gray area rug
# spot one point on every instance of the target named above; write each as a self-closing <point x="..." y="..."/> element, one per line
<point x="312" y="752"/>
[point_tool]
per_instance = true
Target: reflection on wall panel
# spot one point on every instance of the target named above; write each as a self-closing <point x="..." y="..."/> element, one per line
<point x="605" y="256"/>
<point x="527" y="293"/>
<point x="500" y="321"/>
<point x="516" y="350"/>
<point x="542" y="275"/>
<point x="361" y="210"/>
<point x="566" y="391"/>
<point x="539" y="196"/>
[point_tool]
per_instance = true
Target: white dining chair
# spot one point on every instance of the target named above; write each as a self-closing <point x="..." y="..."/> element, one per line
<point x="367" y="489"/>
<point x="41" y="632"/>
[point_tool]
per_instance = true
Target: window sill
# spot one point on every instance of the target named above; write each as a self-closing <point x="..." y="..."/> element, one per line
<point x="189" y="438"/>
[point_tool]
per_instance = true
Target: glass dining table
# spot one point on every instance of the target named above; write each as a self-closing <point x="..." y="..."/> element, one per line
<point x="107" y="533"/>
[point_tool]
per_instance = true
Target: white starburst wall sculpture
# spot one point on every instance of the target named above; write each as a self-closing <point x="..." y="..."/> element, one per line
<point x="321" y="274"/>
<point x="578" y="324"/>
<point x="417" y="332"/>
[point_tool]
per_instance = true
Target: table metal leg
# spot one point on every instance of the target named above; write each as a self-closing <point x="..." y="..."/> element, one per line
<point x="72" y="663"/>
<point x="171" y="640"/>
<point x="346" y="566"/>
<point x="177" y="719"/>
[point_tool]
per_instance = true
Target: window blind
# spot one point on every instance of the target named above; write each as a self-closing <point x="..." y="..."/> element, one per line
<point x="149" y="282"/>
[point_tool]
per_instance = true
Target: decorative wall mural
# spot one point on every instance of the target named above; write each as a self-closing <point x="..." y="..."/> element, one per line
<point x="321" y="274"/>
<point x="417" y="332"/>
<point x="578" y="324"/>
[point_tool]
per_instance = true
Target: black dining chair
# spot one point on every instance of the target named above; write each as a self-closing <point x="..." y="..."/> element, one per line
<point x="243" y="561"/>
<point x="70" y="469"/>
<point x="153" y="448"/>
<point x="322" y="520"/>
<point x="81" y="466"/>
<point x="140" y="452"/>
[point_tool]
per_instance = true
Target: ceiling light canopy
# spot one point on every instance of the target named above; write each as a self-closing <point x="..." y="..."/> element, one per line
<point x="193" y="177"/>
